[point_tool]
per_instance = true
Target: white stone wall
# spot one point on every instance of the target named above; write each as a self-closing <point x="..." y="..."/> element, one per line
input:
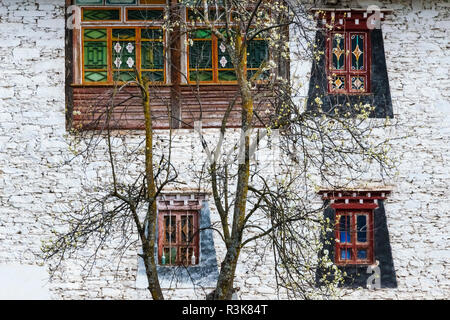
<point x="33" y="144"/>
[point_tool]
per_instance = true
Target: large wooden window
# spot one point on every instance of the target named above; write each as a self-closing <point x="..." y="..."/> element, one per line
<point x="348" y="62"/>
<point x="354" y="237"/>
<point x="178" y="241"/>
<point x="114" y="53"/>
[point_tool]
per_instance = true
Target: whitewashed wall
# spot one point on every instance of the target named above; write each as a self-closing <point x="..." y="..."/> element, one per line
<point x="33" y="144"/>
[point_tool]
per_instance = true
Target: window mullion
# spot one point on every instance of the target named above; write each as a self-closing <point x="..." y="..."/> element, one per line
<point x="137" y="45"/>
<point x="109" y="54"/>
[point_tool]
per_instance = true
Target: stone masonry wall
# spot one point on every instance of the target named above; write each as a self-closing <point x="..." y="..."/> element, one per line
<point x="33" y="144"/>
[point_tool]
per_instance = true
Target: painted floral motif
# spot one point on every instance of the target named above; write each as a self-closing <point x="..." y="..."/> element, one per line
<point x="222" y="47"/>
<point x="117" y="62"/>
<point x="130" y="62"/>
<point x="130" y="47"/>
<point x="223" y="61"/>
<point x="117" y="47"/>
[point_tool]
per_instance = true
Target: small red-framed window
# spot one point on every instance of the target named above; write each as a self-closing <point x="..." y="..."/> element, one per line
<point x="354" y="237"/>
<point x="178" y="237"/>
<point x="348" y="62"/>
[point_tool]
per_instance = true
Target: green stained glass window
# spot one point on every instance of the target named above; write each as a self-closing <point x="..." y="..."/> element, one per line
<point x="227" y="75"/>
<point x="122" y="34"/>
<point x="200" y="34"/>
<point x="124" y="76"/>
<point x="120" y="62"/>
<point x="200" y="75"/>
<point x="262" y="76"/>
<point x="338" y="52"/>
<point x="89" y="2"/>
<point x="94" y="34"/>
<point x="151" y="34"/>
<point x="95" y="56"/>
<point x="152" y="55"/>
<point x="357" y="46"/>
<point x="117" y="2"/>
<point x="101" y="14"/>
<point x="95" y="76"/>
<point x="257" y="52"/>
<point x="154" y="76"/>
<point x="145" y="14"/>
<point x="200" y="55"/>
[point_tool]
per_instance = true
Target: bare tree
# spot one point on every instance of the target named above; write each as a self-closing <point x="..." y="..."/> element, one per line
<point x="276" y="208"/>
<point x="314" y="146"/>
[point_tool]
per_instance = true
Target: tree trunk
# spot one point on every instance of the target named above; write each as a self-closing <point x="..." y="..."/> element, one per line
<point x="149" y="241"/>
<point x="224" y="287"/>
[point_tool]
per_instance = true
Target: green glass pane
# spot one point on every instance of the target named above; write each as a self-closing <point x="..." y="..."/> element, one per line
<point x="151" y="34"/>
<point x="90" y="2"/>
<point x="263" y="76"/>
<point x="200" y="34"/>
<point x="124" y="55"/>
<point x="227" y="75"/>
<point x="101" y="14"/>
<point x="94" y="34"/>
<point x="145" y="14"/>
<point x="200" y="75"/>
<point x="124" y="76"/>
<point x="154" y="76"/>
<point x="152" y="55"/>
<point x="257" y="52"/>
<point x="123" y="33"/>
<point x="116" y="2"/>
<point x="200" y="55"/>
<point x="95" y="76"/>
<point x="95" y="55"/>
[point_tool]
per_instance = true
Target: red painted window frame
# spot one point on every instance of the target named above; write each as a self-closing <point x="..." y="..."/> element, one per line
<point x="348" y="73"/>
<point x="178" y="244"/>
<point x="354" y="245"/>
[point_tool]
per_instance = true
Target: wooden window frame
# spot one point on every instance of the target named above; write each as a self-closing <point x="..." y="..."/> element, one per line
<point x="354" y="244"/>
<point x="194" y="244"/>
<point x="347" y="73"/>
<point x="109" y="41"/>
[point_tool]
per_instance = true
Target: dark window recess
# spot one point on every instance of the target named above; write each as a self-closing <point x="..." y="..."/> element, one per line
<point x="345" y="93"/>
<point x="357" y="274"/>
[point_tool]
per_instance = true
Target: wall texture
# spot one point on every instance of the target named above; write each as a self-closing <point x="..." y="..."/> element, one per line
<point x="33" y="145"/>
